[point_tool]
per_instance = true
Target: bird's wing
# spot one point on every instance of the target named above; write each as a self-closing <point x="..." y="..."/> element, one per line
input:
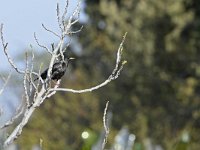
<point x="56" y="66"/>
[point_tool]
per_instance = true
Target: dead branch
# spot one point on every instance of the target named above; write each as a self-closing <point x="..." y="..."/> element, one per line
<point x="5" y="45"/>
<point x="25" y="83"/>
<point x="114" y="75"/>
<point x="54" y="33"/>
<point x="5" y="83"/>
<point x="19" y="111"/>
<point x="41" y="90"/>
<point x="105" y="125"/>
<point x="40" y="45"/>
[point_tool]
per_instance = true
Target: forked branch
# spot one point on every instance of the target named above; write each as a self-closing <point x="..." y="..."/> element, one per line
<point x="35" y="93"/>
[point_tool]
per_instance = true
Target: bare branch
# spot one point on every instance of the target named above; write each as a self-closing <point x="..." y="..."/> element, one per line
<point x="61" y="52"/>
<point x="31" y="83"/>
<point x="54" y="33"/>
<point x="76" y="12"/>
<point x="51" y="93"/>
<point x="37" y="86"/>
<point x="113" y="76"/>
<point x="67" y="26"/>
<point x="65" y="12"/>
<point x="58" y="17"/>
<point x="119" y="54"/>
<point x="5" y="83"/>
<point x="84" y="90"/>
<point x="5" y="45"/>
<point x="43" y="90"/>
<point x="64" y="49"/>
<point x="19" y="111"/>
<point x="105" y="124"/>
<point x="76" y="20"/>
<point x="77" y="31"/>
<point x="25" y="83"/>
<point x="40" y="45"/>
<point x="27" y="114"/>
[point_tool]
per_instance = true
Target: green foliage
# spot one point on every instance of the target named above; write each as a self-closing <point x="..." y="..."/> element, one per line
<point x="157" y="94"/>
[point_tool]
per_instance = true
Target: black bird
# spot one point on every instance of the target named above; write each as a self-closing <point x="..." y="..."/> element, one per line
<point x="58" y="70"/>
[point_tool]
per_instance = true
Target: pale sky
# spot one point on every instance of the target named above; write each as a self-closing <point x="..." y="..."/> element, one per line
<point x="21" y="18"/>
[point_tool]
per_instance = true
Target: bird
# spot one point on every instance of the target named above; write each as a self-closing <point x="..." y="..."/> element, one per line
<point x="58" y="70"/>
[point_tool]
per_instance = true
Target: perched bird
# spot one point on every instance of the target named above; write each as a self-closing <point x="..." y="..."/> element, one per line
<point x="58" y="69"/>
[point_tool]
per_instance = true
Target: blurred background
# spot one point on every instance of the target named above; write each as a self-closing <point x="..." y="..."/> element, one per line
<point x="154" y="104"/>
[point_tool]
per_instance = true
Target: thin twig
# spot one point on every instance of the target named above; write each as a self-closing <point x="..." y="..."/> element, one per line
<point x="5" y="45"/>
<point x="37" y="86"/>
<point x="119" y="54"/>
<point x="58" y="17"/>
<point x="61" y="52"/>
<point x="54" y="33"/>
<point x="64" y="50"/>
<point x="31" y="82"/>
<point x="40" y="45"/>
<point x="5" y="83"/>
<point x="84" y="90"/>
<point x="77" y="31"/>
<point x="19" y="111"/>
<point x="65" y="12"/>
<point x="25" y="83"/>
<point x="70" y="23"/>
<point x="105" y="125"/>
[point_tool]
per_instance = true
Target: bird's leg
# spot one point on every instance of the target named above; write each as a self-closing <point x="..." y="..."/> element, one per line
<point x="54" y="82"/>
<point x="57" y="83"/>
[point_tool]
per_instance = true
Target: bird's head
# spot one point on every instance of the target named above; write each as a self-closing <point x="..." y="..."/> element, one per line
<point x="69" y="59"/>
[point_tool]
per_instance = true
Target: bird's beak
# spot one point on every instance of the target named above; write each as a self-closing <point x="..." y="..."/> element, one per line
<point x="72" y="58"/>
